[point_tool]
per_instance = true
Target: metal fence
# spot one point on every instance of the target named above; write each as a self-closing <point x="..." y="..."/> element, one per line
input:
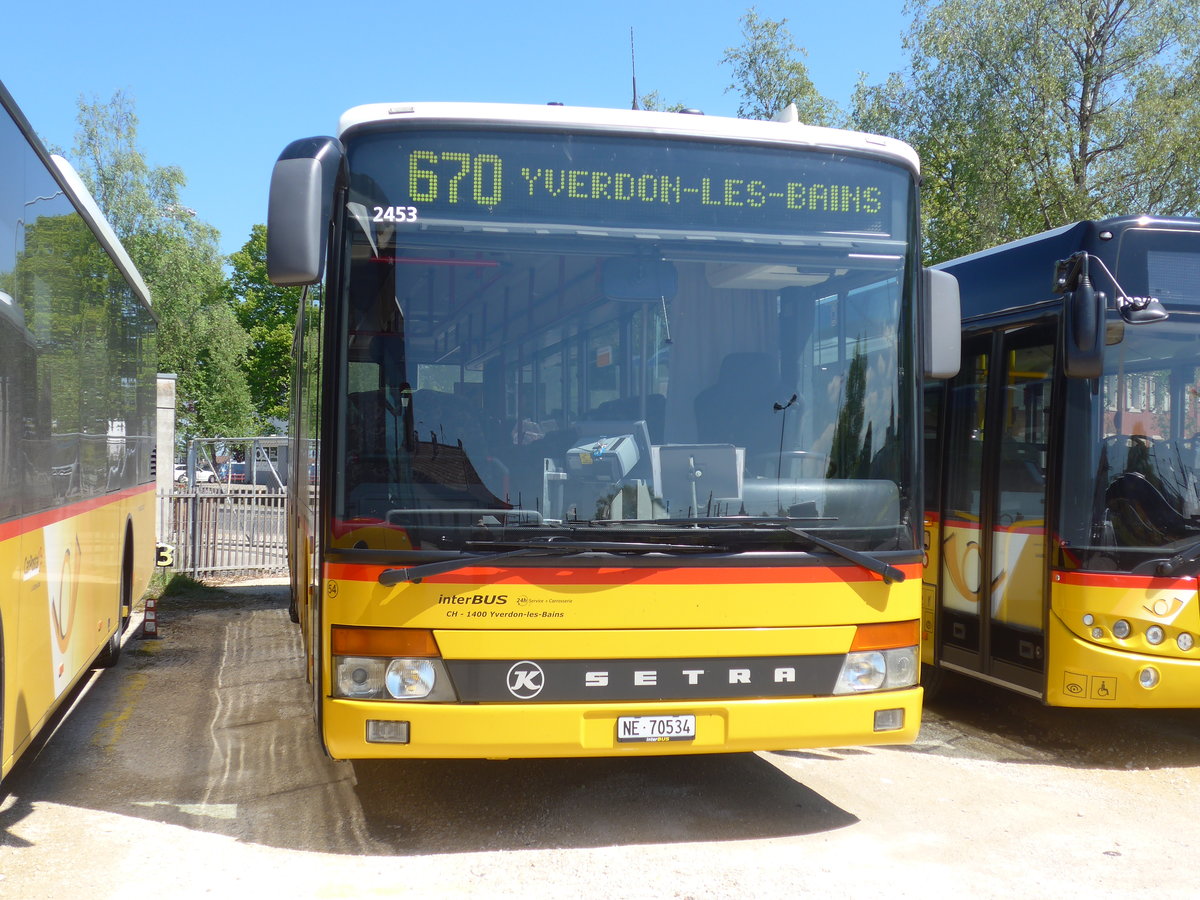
<point x="224" y="530"/>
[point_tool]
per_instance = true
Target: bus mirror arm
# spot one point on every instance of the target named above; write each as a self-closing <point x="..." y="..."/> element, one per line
<point x="1071" y="275"/>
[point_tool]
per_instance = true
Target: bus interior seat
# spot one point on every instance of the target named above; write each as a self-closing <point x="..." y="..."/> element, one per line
<point x="1141" y="516"/>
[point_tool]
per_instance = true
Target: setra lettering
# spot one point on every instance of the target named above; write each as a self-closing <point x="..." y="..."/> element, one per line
<point x="693" y="677"/>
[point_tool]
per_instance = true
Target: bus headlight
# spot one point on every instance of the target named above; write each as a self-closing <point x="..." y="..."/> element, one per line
<point x="875" y="670"/>
<point x="903" y="668"/>
<point x="359" y="677"/>
<point x="410" y="679"/>
<point x="376" y="678"/>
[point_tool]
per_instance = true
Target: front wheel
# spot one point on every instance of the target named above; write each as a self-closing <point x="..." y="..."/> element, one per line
<point x="111" y="653"/>
<point x="933" y="679"/>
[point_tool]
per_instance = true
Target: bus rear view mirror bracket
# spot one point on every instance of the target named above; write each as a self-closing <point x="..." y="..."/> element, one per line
<point x="300" y="209"/>
<point x="943" y="324"/>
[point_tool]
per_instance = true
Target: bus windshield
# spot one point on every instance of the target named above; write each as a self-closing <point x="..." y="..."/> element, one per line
<point x="1141" y="495"/>
<point x="548" y="332"/>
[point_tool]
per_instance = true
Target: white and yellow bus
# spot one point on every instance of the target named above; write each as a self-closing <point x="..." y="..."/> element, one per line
<point x="1063" y="519"/>
<point x="614" y="423"/>
<point x="77" y="426"/>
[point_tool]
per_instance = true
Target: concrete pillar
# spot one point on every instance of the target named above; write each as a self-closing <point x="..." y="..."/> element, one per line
<point x="165" y="452"/>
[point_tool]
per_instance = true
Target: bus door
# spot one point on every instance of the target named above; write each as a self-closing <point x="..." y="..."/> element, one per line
<point x="992" y="580"/>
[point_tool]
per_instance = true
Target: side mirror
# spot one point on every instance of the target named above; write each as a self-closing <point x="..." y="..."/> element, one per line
<point x="1083" y="329"/>
<point x="300" y="209"/>
<point x="943" y="323"/>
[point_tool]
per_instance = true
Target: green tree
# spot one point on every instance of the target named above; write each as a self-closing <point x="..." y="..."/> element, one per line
<point x="199" y="337"/>
<point x="1030" y="114"/>
<point x="653" y="101"/>
<point x="769" y="73"/>
<point x="268" y="315"/>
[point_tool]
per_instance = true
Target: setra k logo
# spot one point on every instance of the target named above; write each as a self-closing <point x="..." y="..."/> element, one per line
<point x="526" y="680"/>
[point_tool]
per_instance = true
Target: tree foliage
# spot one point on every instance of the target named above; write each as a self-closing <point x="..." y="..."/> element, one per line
<point x="199" y="339"/>
<point x="1029" y="114"/>
<point x="654" y="101"/>
<point x="769" y="73"/>
<point x="268" y="315"/>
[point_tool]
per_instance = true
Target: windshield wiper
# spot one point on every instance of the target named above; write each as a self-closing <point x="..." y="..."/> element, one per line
<point x="1188" y="554"/>
<point x="389" y="577"/>
<point x="870" y="563"/>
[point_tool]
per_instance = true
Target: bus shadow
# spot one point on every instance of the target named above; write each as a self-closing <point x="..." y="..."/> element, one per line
<point x="478" y="805"/>
<point x="972" y="719"/>
<point x="214" y="717"/>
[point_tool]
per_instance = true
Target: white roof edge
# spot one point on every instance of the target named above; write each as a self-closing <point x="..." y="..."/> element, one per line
<point x="672" y="123"/>
<point x="92" y="213"/>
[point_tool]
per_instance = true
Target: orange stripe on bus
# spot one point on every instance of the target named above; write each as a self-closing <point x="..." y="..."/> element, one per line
<point x="32" y="522"/>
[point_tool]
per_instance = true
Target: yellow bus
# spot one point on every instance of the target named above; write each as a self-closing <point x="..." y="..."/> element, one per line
<point x="1063" y="515"/>
<point x="612" y="419"/>
<point x="77" y="431"/>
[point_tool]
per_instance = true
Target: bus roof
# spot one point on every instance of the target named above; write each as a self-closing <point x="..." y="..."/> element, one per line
<point x="633" y="121"/>
<point x="1051" y="236"/>
<point x="1020" y="273"/>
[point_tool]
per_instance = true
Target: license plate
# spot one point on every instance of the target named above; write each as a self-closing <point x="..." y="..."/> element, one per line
<point x="656" y="728"/>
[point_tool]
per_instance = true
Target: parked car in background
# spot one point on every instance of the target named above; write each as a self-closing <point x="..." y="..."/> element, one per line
<point x="203" y="476"/>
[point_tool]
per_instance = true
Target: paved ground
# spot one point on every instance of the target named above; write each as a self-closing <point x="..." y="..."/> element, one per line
<point x="192" y="770"/>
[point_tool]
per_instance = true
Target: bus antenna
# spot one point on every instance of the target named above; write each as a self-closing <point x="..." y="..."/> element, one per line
<point x="633" y="67"/>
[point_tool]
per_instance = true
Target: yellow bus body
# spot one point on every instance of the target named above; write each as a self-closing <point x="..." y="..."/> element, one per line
<point x="1107" y="672"/>
<point x="1088" y="666"/>
<point x="568" y="613"/>
<point x="64" y="603"/>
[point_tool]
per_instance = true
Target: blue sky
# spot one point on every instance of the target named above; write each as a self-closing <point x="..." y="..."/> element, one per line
<point x="221" y="87"/>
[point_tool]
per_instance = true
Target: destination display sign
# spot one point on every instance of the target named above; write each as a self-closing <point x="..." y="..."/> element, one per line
<point x="626" y="182"/>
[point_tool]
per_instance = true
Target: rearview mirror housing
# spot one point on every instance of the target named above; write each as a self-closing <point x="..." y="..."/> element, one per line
<point x="943" y="323"/>
<point x="300" y="208"/>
